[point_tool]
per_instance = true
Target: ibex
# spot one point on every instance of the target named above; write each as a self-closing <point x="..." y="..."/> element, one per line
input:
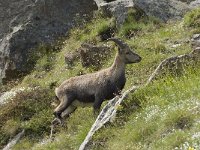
<point x="96" y="87"/>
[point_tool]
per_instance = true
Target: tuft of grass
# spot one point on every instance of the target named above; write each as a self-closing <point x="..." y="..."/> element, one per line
<point x="192" y="19"/>
<point x="29" y="110"/>
<point x="179" y="119"/>
<point x="40" y="51"/>
<point x="45" y="64"/>
<point x="24" y="143"/>
<point x="137" y="23"/>
<point x="11" y="127"/>
<point x="98" y="28"/>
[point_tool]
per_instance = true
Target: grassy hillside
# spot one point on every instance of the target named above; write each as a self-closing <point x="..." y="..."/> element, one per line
<point x="164" y="115"/>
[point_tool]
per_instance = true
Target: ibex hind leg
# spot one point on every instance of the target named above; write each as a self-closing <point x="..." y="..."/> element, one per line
<point x="65" y="114"/>
<point x="68" y="111"/>
<point x="64" y="105"/>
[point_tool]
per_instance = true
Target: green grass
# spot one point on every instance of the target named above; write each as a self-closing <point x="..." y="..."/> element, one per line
<point x="137" y="23"/>
<point x="163" y="115"/>
<point x="167" y="119"/>
<point x="192" y="19"/>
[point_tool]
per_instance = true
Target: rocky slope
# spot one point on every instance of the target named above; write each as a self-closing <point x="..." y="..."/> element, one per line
<point x="168" y="109"/>
<point x="27" y="24"/>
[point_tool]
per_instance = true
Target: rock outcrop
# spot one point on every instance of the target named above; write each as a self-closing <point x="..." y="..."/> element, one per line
<point x="26" y="24"/>
<point x="163" y="9"/>
<point x="89" y="55"/>
<point x="92" y="55"/>
<point x="175" y="65"/>
<point x="195" y="40"/>
<point x="195" y="4"/>
<point x="186" y="1"/>
<point x="118" y="9"/>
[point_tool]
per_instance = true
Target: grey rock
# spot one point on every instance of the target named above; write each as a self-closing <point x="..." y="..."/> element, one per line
<point x="163" y="9"/>
<point x="26" y="24"/>
<point x="186" y="1"/>
<point x="14" y="141"/>
<point x="195" y="40"/>
<point x="92" y="55"/>
<point x="71" y="57"/>
<point x="175" y="65"/>
<point x="195" y="4"/>
<point x="99" y="2"/>
<point x="89" y="55"/>
<point x="118" y="9"/>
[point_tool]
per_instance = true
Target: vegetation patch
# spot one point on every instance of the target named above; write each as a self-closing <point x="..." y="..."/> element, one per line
<point x="192" y="19"/>
<point x="164" y="115"/>
<point x="29" y="110"/>
<point x="137" y="23"/>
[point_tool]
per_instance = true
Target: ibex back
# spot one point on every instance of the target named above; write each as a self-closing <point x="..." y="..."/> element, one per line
<point x="93" y="89"/>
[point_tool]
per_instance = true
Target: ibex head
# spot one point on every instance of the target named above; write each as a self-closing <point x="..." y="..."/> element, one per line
<point x="125" y="52"/>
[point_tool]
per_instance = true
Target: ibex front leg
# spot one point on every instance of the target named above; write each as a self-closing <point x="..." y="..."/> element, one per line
<point x="97" y="104"/>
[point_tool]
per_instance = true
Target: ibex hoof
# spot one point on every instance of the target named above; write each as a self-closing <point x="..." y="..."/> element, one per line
<point x="52" y="133"/>
<point x="57" y="121"/>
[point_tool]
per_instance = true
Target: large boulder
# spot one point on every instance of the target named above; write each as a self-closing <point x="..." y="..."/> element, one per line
<point x="163" y="9"/>
<point x="195" y="4"/>
<point x="26" y="24"/>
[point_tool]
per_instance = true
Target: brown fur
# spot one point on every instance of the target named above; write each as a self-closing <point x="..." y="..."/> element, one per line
<point x="96" y="87"/>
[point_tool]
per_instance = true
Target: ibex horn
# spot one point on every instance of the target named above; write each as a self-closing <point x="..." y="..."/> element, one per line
<point x="120" y="43"/>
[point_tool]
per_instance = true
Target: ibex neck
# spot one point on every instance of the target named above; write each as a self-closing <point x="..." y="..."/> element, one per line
<point x="118" y="66"/>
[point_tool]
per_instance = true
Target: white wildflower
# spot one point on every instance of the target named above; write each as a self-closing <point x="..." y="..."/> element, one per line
<point x="11" y="94"/>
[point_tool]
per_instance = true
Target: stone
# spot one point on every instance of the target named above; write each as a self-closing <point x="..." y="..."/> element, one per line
<point x="163" y="9"/>
<point x="71" y="57"/>
<point x="175" y="65"/>
<point x="195" y="40"/>
<point x="186" y="1"/>
<point x="195" y="4"/>
<point x="14" y="141"/>
<point x="24" y="25"/>
<point x="89" y="55"/>
<point x="117" y="9"/>
<point x="92" y="55"/>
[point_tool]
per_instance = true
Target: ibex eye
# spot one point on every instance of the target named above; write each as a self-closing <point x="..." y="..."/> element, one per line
<point x="127" y="53"/>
